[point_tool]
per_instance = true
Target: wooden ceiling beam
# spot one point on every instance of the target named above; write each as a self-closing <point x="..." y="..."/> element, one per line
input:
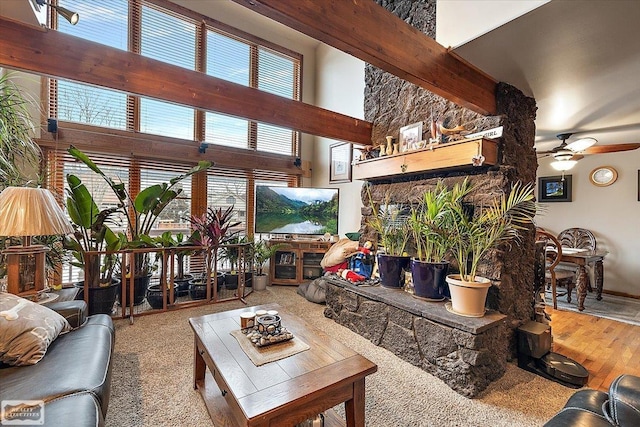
<point x="152" y="147"/>
<point x="54" y="54"/>
<point x="368" y="31"/>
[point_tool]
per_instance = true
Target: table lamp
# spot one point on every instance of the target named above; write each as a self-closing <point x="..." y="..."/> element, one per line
<point x="27" y="212"/>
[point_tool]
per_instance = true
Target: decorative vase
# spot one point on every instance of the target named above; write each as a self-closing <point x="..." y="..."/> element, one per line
<point x="395" y="148"/>
<point x="429" y="279"/>
<point x="383" y="150"/>
<point x="392" y="269"/>
<point x="468" y="298"/>
<point x="390" y="140"/>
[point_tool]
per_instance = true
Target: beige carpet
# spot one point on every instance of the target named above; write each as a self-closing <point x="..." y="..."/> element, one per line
<point x="152" y="378"/>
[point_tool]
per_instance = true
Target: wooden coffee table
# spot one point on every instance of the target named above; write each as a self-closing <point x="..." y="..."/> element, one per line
<point x="280" y="393"/>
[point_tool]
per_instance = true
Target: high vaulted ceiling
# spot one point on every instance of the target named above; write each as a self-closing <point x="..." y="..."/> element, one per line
<point x="579" y="59"/>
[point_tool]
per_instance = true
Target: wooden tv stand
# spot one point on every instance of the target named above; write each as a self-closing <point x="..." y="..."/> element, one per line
<point x="298" y="262"/>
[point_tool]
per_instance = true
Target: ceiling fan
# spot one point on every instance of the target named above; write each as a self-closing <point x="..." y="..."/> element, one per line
<point x="566" y="155"/>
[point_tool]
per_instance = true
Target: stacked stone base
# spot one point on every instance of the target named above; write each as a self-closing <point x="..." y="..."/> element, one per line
<point x="466" y="353"/>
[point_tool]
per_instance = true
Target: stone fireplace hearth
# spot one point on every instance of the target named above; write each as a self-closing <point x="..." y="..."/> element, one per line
<point x="391" y="103"/>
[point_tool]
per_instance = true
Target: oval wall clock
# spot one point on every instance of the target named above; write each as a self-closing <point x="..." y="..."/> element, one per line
<point x="603" y="176"/>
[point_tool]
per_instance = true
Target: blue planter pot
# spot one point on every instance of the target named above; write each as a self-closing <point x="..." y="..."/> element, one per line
<point x="429" y="279"/>
<point x="392" y="270"/>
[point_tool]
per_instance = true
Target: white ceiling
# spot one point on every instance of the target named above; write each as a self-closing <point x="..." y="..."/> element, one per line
<point x="579" y="59"/>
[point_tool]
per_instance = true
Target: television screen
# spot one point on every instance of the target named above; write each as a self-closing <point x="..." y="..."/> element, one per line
<point x="289" y="210"/>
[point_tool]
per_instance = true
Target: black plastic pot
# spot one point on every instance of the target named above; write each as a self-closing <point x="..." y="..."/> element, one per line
<point x="231" y="280"/>
<point x="198" y="287"/>
<point x="140" y="285"/>
<point x="101" y="299"/>
<point x="154" y="295"/>
<point x="392" y="269"/>
<point x="429" y="279"/>
<point x="182" y="285"/>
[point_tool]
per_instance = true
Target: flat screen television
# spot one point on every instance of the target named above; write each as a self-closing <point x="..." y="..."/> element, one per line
<point x="286" y="210"/>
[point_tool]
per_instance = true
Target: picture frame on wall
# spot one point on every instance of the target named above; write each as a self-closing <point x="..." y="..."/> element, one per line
<point x="554" y="188"/>
<point x="340" y="156"/>
<point x="410" y="137"/>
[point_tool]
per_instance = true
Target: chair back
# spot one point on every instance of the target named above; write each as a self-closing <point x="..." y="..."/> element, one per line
<point x="552" y="248"/>
<point x="580" y="238"/>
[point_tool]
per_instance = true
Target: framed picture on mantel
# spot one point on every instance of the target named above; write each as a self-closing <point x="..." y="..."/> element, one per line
<point x="554" y="188"/>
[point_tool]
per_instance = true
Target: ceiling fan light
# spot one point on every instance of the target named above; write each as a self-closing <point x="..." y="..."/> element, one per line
<point x="581" y="144"/>
<point x="563" y="165"/>
<point x="563" y="155"/>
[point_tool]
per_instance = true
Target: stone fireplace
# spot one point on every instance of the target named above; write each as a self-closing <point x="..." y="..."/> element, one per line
<point x="391" y="103"/>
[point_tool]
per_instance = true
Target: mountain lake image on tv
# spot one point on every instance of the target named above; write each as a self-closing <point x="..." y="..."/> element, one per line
<point x="289" y="210"/>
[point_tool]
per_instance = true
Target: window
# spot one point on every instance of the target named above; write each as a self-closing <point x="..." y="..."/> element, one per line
<point x="224" y="191"/>
<point x="175" y="217"/>
<point x="170" y="36"/>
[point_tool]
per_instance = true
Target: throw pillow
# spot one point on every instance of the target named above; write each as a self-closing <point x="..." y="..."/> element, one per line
<point x="26" y="330"/>
<point x="339" y="252"/>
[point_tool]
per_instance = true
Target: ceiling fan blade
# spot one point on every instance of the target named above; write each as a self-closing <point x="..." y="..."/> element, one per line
<point x="599" y="149"/>
<point x="544" y="153"/>
<point x="577" y="157"/>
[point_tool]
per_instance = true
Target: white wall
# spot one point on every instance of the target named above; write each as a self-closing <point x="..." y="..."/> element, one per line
<point x="458" y="21"/>
<point x="340" y="88"/>
<point x="611" y="213"/>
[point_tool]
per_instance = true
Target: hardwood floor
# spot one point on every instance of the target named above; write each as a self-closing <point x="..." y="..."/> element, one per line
<point x="606" y="348"/>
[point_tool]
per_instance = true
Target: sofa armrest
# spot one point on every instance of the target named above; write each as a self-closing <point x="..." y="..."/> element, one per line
<point x="74" y="311"/>
<point x="624" y="401"/>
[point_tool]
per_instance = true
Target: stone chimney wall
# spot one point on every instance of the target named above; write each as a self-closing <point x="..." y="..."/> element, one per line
<point x="391" y="103"/>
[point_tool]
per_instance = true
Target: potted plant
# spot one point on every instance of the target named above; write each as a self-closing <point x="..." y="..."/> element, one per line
<point x="393" y="235"/>
<point x="473" y="234"/>
<point x="180" y="279"/>
<point x="230" y="252"/>
<point x="92" y="234"/>
<point x="211" y="230"/>
<point x="262" y="252"/>
<point x="140" y="214"/>
<point x="432" y="241"/>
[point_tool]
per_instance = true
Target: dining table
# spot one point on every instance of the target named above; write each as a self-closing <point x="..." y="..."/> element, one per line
<point x="582" y="258"/>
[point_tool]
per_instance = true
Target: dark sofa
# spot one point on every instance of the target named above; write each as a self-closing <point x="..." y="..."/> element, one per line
<point x="593" y="408"/>
<point x="73" y="378"/>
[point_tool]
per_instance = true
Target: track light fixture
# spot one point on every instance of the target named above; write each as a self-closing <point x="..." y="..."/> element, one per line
<point x="203" y="148"/>
<point x="67" y="14"/>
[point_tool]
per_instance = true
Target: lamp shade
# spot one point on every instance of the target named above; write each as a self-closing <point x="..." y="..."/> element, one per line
<point x="31" y="212"/>
<point x="563" y="165"/>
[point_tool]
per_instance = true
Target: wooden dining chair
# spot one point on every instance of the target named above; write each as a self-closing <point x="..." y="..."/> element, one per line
<point x="579" y="238"/>
<point x="553" y="276"/>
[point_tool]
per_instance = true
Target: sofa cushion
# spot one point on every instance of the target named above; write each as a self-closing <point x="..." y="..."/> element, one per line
<point x="590" y="400"/>
<point x="77" y="361"/>
<point x="577" y="417"/>
<point x="27" y="329"/>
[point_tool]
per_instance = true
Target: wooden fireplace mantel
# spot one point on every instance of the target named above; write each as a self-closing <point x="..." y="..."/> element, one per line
<point x="451" y="155"/>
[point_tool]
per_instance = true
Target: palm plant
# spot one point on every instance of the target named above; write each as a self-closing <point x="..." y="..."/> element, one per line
<point x="262" y="252"/>
<point x="428" y="221"/>
<point x="19" y="154"/>
<point x="393" y="230"/>
<point x="475" y="234"/>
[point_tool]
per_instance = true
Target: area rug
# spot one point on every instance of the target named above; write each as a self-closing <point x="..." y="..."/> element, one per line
<point x="153" y="377"/>
<point x="612" y="307"/>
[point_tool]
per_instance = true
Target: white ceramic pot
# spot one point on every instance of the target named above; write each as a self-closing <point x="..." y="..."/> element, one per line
<point x="468" y="298"/>
<point x="260" y="282"/>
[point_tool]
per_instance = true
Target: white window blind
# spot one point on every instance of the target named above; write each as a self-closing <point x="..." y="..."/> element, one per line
<point x="277" y="74"/>
<point x="175" y="217"/>
<point x="226" y="130"/>
<point x="82" y="103"/>
<point x="168" y="37"/>
<point x="228" y="58"/>
<point x="163" y="118"/>
<point x="104" y="21"/>
<point x="224" y="191"/>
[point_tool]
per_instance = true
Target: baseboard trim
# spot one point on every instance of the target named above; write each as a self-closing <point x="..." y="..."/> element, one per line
<point x="620" y="294"/>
